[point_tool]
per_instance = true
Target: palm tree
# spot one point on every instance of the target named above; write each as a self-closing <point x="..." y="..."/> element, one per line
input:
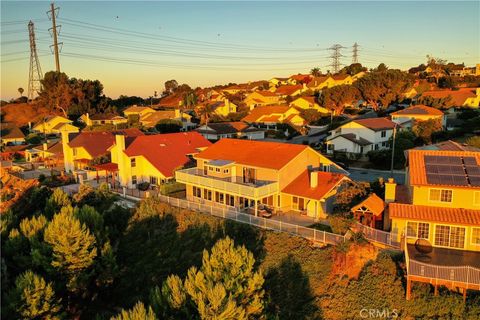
<point x="315" y="72"/>
<point x="20" y="90"/>
<point x="205" y="112"/>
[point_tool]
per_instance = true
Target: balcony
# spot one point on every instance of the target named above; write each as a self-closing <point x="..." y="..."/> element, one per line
<point x="231" y="185"/>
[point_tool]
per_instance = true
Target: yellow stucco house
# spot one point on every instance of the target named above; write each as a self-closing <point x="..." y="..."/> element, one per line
<point x="278" y="82"/>
<point x="272" y="115"/>
<point x="54" y="125"/>
<point x="318" y="83"/>
<point x="340" y="79"/>
<point x="463" y="97"/>
<point x="154" y="158"/>
<point x="99" y="119"/>
<point x="139" y="111"/>
<point x="262" y="98"/>
<point x="308" y="102"/>
<point x="438" y="218"/>
<point x="224" y="108"/>
<point x="246" y="174"/>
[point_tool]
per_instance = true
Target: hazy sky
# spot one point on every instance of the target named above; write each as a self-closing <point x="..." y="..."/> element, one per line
<point x="133" y="47"/>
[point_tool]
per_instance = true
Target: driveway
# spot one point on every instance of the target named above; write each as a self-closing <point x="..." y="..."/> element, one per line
<point x="359" y="174"/>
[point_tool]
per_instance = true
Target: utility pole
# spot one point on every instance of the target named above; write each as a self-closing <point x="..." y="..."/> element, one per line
<point x="35" y="72"/>
<point x="336" y="55"/>
<point x="355" y="53"/>
<point x="52" y="14"/>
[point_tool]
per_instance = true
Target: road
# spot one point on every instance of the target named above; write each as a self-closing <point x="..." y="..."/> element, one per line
<point x="372" y="175"/>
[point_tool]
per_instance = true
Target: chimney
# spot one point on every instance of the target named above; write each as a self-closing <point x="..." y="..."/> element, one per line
<point x="120" y="141"/>
<point x="390" y="190"/>
<point x="45" y="146"/>
<point x="121" y="159"/>
<point x="177" y="114"/>
<point x="313" y="177"/>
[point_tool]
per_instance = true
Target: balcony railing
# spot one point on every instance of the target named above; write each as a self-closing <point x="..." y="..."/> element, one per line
<point x="256" y="190"/>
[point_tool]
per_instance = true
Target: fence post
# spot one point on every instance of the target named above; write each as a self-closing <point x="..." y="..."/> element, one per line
<point x="324" y="237"/>
<point x="280" y="225"/>
<point x="250" y="218"/>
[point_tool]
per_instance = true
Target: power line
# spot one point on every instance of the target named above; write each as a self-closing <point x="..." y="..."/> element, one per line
<point x="336" y="55"/>
<point x="355" y="53"/>
<point x="35" y="73"/>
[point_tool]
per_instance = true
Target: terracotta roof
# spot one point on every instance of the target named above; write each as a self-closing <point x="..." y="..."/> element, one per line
<point x="458" y="96"/>
<point x="153" y="117"/>
<point x="97" y="143"/>
<point x="273" y="155"/>
<point x="301" y="77"/>
<point x="226" y="127"/>
<point x="301" y="185"/>
<point x="170" y="101"/>
<point x="351" y="136"/>
<point x="373" y="203"/>
<point x="11" y="131"/>
<point x="288" y="89"/>
<point x="136" y="109"/>
<point x="448" y="145"/>
<point x="338" y="77"/>
<point x="263" y="111"/>
<point x="434" y="214"/>
<point x="310" y="99"/>
<point x="106" y="166"/>
<point x="417" y="167"/>
<point x="376" y="124"/>
<point x="266" y="93"/>
<point x="103" y="116"/>
<point x="316" y="81"/>
<point x="167" y="152"/>
<point x="418" y="109"/>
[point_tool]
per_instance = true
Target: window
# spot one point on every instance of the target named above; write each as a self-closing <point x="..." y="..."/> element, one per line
<point x="207" y="194"/>
<point x="210" y="168"/>
<point x="74" y="152"/>
<point x="197" y="192"/>
<point x="218" y="170"/>
<point x="133" y="162"/>
<point x="476" y="198"/>
<point x="134" y="179"/>
<point x="153" y="180"/>
<point x="384" y="144"/>
<point x="384" y="134"/>
<point x="331" y="146"/>
<point x="447" y="236"/>
<point x="376" y="146"/>
<point x="440" y="195"/>
<point x="225" y="171"/>
<point x="419" y="230"/>
<point x="476" y="236"/>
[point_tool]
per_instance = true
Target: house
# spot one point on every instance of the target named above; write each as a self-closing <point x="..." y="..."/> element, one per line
<point x="369" y="212"/>
<point x="234" y="89"/>
<point x="81" y="149"/>
<point x="299" y="79"/>
<point x="139" y="111"/>
<point x="261" y="98"/>
<point x="173" y="101"/>
<point x="289" y="90"/>
<point x="99" y="119"/>
<point x="219" y="130"/>
<point x="11" y="134"/>
<point x="224" y="108"/>
<point x="307" y="103"/>
<point x="418" y="112"/>
<point x="54" y="125"/>
<point x="154" y="158"/>
<point x="438" y="221"/>
<point x="361" y="136"/>
<point x="359" y="75"/>
<point x="320" y="82"/>
<point x="278" y="82"/>
<point x="341" y="79"/>
<point x="245" y="173"/>
<point x="151" y="119"/>
<point x="51" y="153"/>
<point x="272" y="115"/>
<point x="463" y="97"/>
<point x="448" y="145"/>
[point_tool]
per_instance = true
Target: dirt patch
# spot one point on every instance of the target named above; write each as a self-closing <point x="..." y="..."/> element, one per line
<point x="12" y="189"/>
<point x="352" y="262"/>
<point x="22" y="113"/>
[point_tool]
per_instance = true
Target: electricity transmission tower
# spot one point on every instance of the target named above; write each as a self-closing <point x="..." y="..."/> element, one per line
<point x="355" y="53"/>
<point x="52" y="15"/>
<point x="336" y="55"/>
<point x="35" y="74"/>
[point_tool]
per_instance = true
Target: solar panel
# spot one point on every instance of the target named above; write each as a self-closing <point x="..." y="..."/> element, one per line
<point x="475" y="181"/>
<point x="444" y="169"/>
<point x="445" y="179"/>
<point x="473" y="170"/>
<point x="443" y="160"/>
<point x="470" y="161"/>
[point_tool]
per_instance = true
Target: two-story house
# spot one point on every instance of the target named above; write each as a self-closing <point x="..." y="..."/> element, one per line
<point x="270" y="116"/>
<point x="308" y="103"/>
<point x="261" y="98"/>
<point x="54" y="125"/>
<point x="438" y="220"/>
<point x="244" y="174"/>
<point x="361" y="136"/>
<point x="408" y="116"/>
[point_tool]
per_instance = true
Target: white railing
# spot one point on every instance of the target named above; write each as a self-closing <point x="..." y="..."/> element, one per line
<point x="464" y="274"/>
<point x="375" y="235"/>
<point x="192" y="176"/>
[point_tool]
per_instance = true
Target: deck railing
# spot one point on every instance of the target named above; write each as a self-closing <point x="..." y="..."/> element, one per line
<point x="235" y="214"/>
<point x="463" y="274"/>
<point x="375" y="235"/>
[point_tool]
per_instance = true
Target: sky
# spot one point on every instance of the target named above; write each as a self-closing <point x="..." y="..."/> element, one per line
<point x="133" y="47"/>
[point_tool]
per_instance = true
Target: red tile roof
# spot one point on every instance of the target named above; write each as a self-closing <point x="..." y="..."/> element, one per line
<point x="418" y="109"/>
<point x="167" y="152"/>
<point x="458" y="96"/>
<point x="301" y="185"/>
<point x="273" y="155"/>
<point x="448" y="145"/>
<point x="301" y="77"/>
<point x="376" y="124"/>
<point x="10" y="131"/>
<point x="288" y="89"/>
<point x="259" y="112"/>
<point x="266" y="93"/>
<point x="316" y="81"/>
<point x="434" y="214"/>
<point x="373" y="203"/>
<point x="97" y="143"/>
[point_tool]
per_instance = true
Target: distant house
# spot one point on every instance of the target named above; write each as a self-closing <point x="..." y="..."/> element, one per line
<point x="54" y="125"/>
<point x="219" y="130"/>
<point x="224" y="108"/>
<point x="49" y="152"/>
<point x="139" y="111"/>
<point x="11" y="134"/>
<point x="154" y="158"/>
<point x="320" y="82"/>
<point x="172" y="101"/>
<point x="308" y="102"/>
<point x="361" y="136"/>
<point x="289" y="90"/>
<point x="262" y="98"/>
<point x="278" y="82"/>
<point x="418" y="113"/>
<point x="273" y="115"/>
<point x="299" y="79"/>
<point x="341" y="79"/>
<point x="359" y="75"/>
<point x="101" y="119"/>
<point x="151" y="119"/>
<point x="463" y="97"/>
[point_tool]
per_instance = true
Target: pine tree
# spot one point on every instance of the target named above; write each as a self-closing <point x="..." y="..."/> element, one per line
<point x="138" y="312"/>
<point x="72" y="244"/>
<point x="34" y="298"/>
<point x="57" y="201"/>
<point x="30" y="227"/>
<point x="225" y="287"/>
